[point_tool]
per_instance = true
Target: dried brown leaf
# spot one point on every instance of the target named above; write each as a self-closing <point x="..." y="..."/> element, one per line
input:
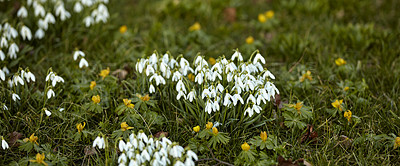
<point x="160" y="134"/>
<point x="13" y="138"/>
<point x="230" y="14"/>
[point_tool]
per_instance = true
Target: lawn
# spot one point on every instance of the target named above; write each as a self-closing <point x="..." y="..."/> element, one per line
<point x="199" y="82"/>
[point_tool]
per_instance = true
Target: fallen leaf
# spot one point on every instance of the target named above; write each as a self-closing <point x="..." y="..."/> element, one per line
<point x="345" y="141"/>
<point x="289" y="162"/>
<point x="230" y="14"/>
<point x="89" y="150"/>
<point x="310" y="135"/>
<point x="161" y="133"/>
<point x="13" y="138"/>
<point x="120" y="74"/>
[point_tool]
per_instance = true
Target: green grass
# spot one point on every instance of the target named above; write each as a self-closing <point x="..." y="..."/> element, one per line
<point x="303" y="35"/>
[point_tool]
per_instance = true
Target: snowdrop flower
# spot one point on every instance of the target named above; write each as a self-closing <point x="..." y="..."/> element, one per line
<point x="191" y="95"/>
<point x="269" y="74"/>
<point x="18" y="79"/>
<point x="259" y="57"/>
<point x="121" y="145"/>
<point x="145" y="155"/>
<point x="2" y="75"/>
<point x="43" y="24"/>
<point x="249" y="111"/>
<point x="88" y="20"/>
<point x="50" y="93"/>
<point x="29" y="76"/>
<point x="143" y="137"/>
<point x="227" y="101"/>
<point x="190" y="154"/>
<point x="50" y="18"/>
<point x="99" y="142"/>
<point x="61" y="109"/>
<point x="48" y="113"/>
<point x="15" y="97"/>
<point x="57" y="79"/>
<point x="235" y="98"/>
<point x="152" y="89"/>
<point x="5" y="107"/>
<point x="122" y="159"/>
<point x="13" y="50"/>
<point x="26" y="33"/>
<point x="176" y="76"/>
<point x="179" y="163"/>
<point x="176" y="151"/>
<point x="22" y="12"/>
<point x="78" y="7"/>
<point x="237" y="55"/>
<point x="83" y="63"/>
<point x="4" y="143"/>
<point x="77" y="54"/>
<point x="39" y="10"/>
<point x="3" y="42"/>
<point x="62" y="13"/>
<point x="39" y="34"/>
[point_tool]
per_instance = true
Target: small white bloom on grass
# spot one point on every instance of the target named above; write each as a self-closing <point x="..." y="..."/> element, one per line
<point x="47" y="112"/>
<point x="13" y="50"/>
<point x="26" y="33"/>
<point x="99" y="142"/>
<point x="2" y="75"/>
<point x="77" y="54"/>
<point x="29" y="76"/>
<point x="83" y="63"/>
<point x="78" y="7"/>
<point x="15" y="97"/>
<point x="4" y="143"/>
<point x="50" y="93"/>
<point x="22" y="12"/>
<point x="39" y="34"/>
<point x="152" y="89"/>
<point x="259" y="57"/>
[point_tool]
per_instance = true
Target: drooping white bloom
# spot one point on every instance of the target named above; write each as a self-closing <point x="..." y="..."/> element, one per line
<point x="191" y="95"/>
<point x="50" y="93"/>
<point x="152" y="89"/>
<point x="17" y="79"/>
<point x="237" y="55"/>
<point x="62" y="13"/>
<point x="61" y="109"/>
<point x="39" y="34"/>
<point x="176" y="151"/>
<point x="99" y="142"/>
<point x="145" y="155"/>
<point x="259" y="57"/>
<point x="22" y="12"/>
<point x="50" y="18"/>
<point x="47" y="112"/>
<point x="2" y="75"/>
<point x="13" y="50"/>
<point x="4" y="143"/>
<point x="249" y="111"/>
<point x="121" y="145"/>
<point x="78" y="7"/>
<point x="26" y="33"/>
<point x="77" y="54"/>
<point x="39" y="10"/>
<point x="3" y="42"/>
<point x="29" y="76"/>
<point x="122" y="159"/>
<point x="56" y="79"/>
<point x="15" y="97"/>
<point x="83" y="63"/>
<point x="88" y="20"/>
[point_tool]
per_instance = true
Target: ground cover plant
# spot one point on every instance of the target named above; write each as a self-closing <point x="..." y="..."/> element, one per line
<point x="195" y="82"/>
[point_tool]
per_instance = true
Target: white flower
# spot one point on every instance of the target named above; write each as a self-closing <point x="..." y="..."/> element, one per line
<point x="122" y="159"/>
<point x="29" y="76"/>
<point x="57" y="79"/>
<point x="39" y="10"/>
<point x="3" y="42"/>
<point x="88" y="21"/>
<point x="99" y="142"/>
<point x="48" y="113"/>
<point x="83" y="63"/>
<point x="15" y="97"/>
<point x="13" y="50"/>
<point x="143" y="137"/>
<point x="235" y="98"/>
<point x="61" y="109"/>
<point x="2" y="55"/>
<point x="191" y="95"/>
<point x="78" y="7"/>
<point x="227" y="101"/>
<point x="238" y="55"/>
<point x="176" y="151"/>
<point x="259" y="57"/>
<point x="269" y="74"/>
<point x="22" y="12"/>
<point x="190" y="154"/>
<point x="4" y="144"/>
<point x="18" y="79"/>
<point x="50" y="93"/>
<point x="77" y="54"/>
<point x="180" y="94"/>
<point x="121" y="146"/>
<point x="189" y="162"/>
<point x="62" y="13"/>
<point x="5" y="107"/>
<point x="2" y="75"/>
<point x="145" y="155"/>
<point x="179" y="163"/>
<point x="249" y="111"/>
<point x="43" y="24"/>
<point x="152" y="89"/>
<point x="39" y="34"/>
<point x="50" y="18"/>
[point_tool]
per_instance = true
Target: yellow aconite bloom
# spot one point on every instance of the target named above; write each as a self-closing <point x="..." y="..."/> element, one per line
<point x="128" y="103"/>
<point x="298" y="106"/>
<point x="80" y="126"/>
<point x="92" y="85"/>
<point x="145" y="98"/>
<point x="209" y="125"/>
<point x="337" y="104"/>
<point x="39" y="159"/>
<point x="123" y="29"/>
<point x="191" y="77"/>
<point x="264" y="136"/>
<point x="245" y="147"/>
<point x="96" y="99"/>
<point x="347" y="115"/>
<point x="269" y="14"/>
<point x="212" y="61"/>
<point x="196" y="129"/>
<point x="250" y="40"/>
<point x="104" y="73"/>
<point x="306" y="75"/>
<point x="215" y="130"/>
<point x="262" y="18"/>
<point x="340" y="62"/>
<point x="32" y="139"/>
<point x="346" y="88"/>
<point x="195" y="27"/>
<point x="125" y="126"/>
<point x="397" y="142"/>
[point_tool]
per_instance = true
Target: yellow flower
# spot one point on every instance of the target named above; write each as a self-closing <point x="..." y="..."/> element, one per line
<point x="104" y="73"/>
<point x="209" y="125"/>
<point x="32" y="139"/>
<point x="397" y="142"/>
<point x="215" y="130"/>
<point x="212" y="61"/>
<point x="96" y="99"/>
<point x="145" y="98"/>
<point x="92" y="85"/>
<point x="347" y="115"/>
<point x="298" y="106"/>
<point x="262" y="18"/>
<point x="264" y="136"/>
<point x="125" y="126"/>
<point x="337" y="104"/>
<point x="306" y="75"/>
<point x="80" y="126"/>
<point x="39" y="159"/>
<point x="128" y="103"/>
<point x="269" y="14"/>
<point x="195" y="27"/>
<point x="340" y="62"/>
<point x="123" y="29"/>
<point x="196" y="129"/>
<point x="346" y="88"/>
<point x="191" y="77"/>
<point x="245" y="146"/>
<point x="250" y="40"/>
